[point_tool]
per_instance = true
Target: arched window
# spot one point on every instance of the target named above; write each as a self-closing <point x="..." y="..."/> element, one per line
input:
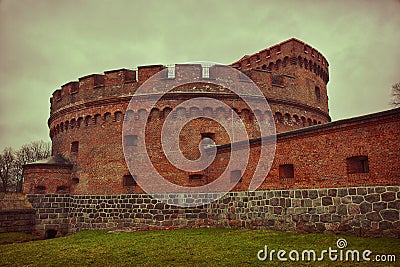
<point x="166" y="112"/>
<point x="303" y="120"/>
<point x="87" y="120"/>
<point x="285" y="61"/>
<point x="278" y="64"/>
<point x="286" y="119"/>
<point x="278" y="117"/>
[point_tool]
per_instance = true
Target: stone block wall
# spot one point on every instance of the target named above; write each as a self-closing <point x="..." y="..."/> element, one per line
<point x="51" y="217"/>
<point x="360" y="211"/>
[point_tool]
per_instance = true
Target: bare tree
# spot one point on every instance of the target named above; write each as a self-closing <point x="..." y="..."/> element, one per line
<point x="6" y="168"/>
<point x="396" y="94"/>
<point x="26" y="154"/>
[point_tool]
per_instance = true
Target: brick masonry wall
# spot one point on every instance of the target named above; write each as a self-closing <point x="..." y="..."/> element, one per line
<point x="17" y="221"/>
<point x="16" y="213"/>
<point x="319" y="155"/>
<point x="361" y="211"/>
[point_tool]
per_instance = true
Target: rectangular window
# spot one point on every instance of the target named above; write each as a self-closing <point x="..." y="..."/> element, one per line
<point x="131" y="140"/>
<point x="129" y="180"/>
<point x="236" y="176"/>
<point x="205" y="73"/>
<point x="357" y="164"/>
<point x="75" y="147"/>
<point x="195" y="177"/>
<point x="171" y="71"/>
<point x="286" y="171"/>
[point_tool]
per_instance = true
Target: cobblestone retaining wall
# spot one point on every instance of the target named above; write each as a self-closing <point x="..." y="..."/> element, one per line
<point x="361" y="211"/>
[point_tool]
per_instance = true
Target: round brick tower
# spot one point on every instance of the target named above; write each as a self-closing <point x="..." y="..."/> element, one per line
<point x="293" y="77"/>
<point x="86" y="118"/>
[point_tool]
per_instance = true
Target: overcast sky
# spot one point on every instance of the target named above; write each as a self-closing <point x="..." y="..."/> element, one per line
<point x="45" y="44"/>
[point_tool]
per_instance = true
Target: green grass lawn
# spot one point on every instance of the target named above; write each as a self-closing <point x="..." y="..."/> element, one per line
<point x="189" y="247"/>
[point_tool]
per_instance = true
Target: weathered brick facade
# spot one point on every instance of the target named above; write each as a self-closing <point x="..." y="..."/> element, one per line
<point x="89" y="167"/>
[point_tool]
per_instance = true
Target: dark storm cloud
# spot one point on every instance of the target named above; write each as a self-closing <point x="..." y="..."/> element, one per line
<point x="45" y="44"/>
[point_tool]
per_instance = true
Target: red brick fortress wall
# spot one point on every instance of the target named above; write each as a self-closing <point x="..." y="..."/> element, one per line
<point x="359" y="151"/>
<point x="87" y="115"/>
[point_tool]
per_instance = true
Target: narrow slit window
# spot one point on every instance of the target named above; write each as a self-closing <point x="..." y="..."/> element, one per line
<point x="75" y="147"/>
<point x="195" y="177"/>
<point x="317" y="93"/>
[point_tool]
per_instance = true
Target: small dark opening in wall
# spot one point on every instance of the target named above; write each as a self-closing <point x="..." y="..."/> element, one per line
<point x="236" y="176"/>
<point x="62" y="189"/>
<point x="51" y="233"/>
<point x="40" y="189"/>
<point x="195" y="177"/>
<point x="317" y="93"/>
<point x="277" y="80"/>
<point x="208" y="135"/>
<point x="75" y="180"/>
<point x="131" y="140"/>
<point x="75" y="147"/>
<point x="286" y="171"/>
<point x="129" y="180"/>
<point x="357" y="164"/>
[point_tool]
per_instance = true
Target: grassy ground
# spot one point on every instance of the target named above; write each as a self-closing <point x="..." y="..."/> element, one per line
<point x="8" y="238"/>
<point x="190" y="247"/>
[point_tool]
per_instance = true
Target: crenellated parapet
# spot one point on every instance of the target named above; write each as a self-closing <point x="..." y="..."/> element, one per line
<point x="280" y="57"/>
<point x="112" y="83"/>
